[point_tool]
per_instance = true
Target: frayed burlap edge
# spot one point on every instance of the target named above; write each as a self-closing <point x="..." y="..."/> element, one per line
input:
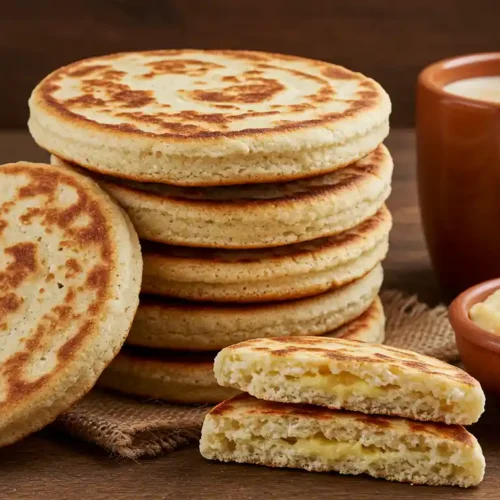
<point x="413" y="325"/>
<point x="130" y="428"/>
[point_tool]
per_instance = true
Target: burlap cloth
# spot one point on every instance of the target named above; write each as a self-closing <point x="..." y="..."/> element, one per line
<point x="133" y="429"/>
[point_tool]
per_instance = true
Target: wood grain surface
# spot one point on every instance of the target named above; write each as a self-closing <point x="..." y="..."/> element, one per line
<point x="389" y="40"/>
<point x="54" y="466"/>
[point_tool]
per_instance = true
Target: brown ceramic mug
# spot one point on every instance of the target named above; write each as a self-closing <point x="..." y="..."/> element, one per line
<point x="458" y="145"/>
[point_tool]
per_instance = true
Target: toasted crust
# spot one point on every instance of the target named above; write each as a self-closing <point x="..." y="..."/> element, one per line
<point x="185" y="325"/>
<point x="69" y="290"/>
<point x="367" y="327"/>
<point x="195" y="117"/>
<point x="339" y="373"/>
<point x="281" y="273"/>
<point x="244" y="404"/>
<point x="245" y="429"/>
<point x="172" y="376"/>
<point x="259" y="216"/>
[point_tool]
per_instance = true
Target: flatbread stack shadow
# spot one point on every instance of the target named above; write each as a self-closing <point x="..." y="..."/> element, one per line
<point x="257" y="183"/>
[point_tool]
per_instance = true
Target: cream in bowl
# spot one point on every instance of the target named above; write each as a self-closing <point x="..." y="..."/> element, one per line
<point x="483" y="88"/>
<point x="486" y="314"/>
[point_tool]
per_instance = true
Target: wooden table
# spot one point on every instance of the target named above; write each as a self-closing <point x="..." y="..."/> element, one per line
<point x="49" y="465"/>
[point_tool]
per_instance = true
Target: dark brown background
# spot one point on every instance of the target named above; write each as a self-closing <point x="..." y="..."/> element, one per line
<point x="390" y="40"/>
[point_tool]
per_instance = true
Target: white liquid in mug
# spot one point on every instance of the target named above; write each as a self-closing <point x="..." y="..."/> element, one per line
<point x="484" y="88"/>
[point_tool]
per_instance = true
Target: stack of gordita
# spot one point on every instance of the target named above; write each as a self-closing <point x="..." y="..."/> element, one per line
<point x="257" y="184"/>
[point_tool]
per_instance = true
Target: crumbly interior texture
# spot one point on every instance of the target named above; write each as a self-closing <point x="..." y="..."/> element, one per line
<point x="344" y="445"/>
<point x="372" y="387"/>
<point x="486" y="314"/>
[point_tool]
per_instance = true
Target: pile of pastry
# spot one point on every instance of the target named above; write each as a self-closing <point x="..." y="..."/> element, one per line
<point x="337" y="405"/>
<point x="256" y="183"/>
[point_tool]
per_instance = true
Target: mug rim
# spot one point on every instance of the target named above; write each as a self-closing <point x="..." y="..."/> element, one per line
<point x="426" y="76"/>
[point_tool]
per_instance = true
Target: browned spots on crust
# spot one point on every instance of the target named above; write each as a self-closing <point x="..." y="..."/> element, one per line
<point x="6" y="206"/>
<point x="165" y="52"/>
<point x="188" y="67"/>
<point x="105" y="84"/>
<point x="13" y="368"/>
<point x="221" y="408"/>
<point x="160" y="120"/>
<point x="308" y="76"/>
<point x="383" y="356"/>
<point x="418" y="365"/>
<point x="337" y="73"/>
<point x="127" y="127"/>
<point x="253" y="72"/>
<point x="118" y="94"/>
<point x="225" y="106"/>
<point x="454" y="433"/>
<point x="134" y="98"/>
<point x="242" y="55"/>
<point x="299" y="410"/>
<point x="112" y="74"/>
<point x="9" y="303"/>
<point x="259" y="90"/>
<point x="17" y="387"/>
<point x="73" y="268"/>
<point x="80" y="71"/>
<point x="98" y="278"/>
<point x="367" y="95"/>
<point x="324" y="94"/>
<point x="63" y="312"/>
<point x="298" y="340"/>
<point x="295" y="108"/>
<point x="45" y="184"/>
<point x="3" y="225"/>
<point x="70" y="296"/>
<point x="383" y="423"/>
<point x="156" y="119"/>
<point x="24" y="262"/>
<point x="401" y="354"/>
<point x="464" y="377"/>
<point x="69" y="348"/>
<point x="168" y="121"/>
<point x="85" y="100"/>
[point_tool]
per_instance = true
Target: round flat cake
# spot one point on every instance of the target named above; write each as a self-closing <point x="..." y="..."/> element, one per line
<point x="184" y="377"/>
<point x="208" y="118"/>
<point x="256" y="216"/>
<point x="177" y="377"/>
<point x="280" y="273"/>
<point x="199" y="326"/>
<point x="70" y="274"/>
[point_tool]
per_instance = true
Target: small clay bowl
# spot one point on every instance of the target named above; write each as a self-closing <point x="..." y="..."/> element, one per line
<point x="479" y="349"/>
